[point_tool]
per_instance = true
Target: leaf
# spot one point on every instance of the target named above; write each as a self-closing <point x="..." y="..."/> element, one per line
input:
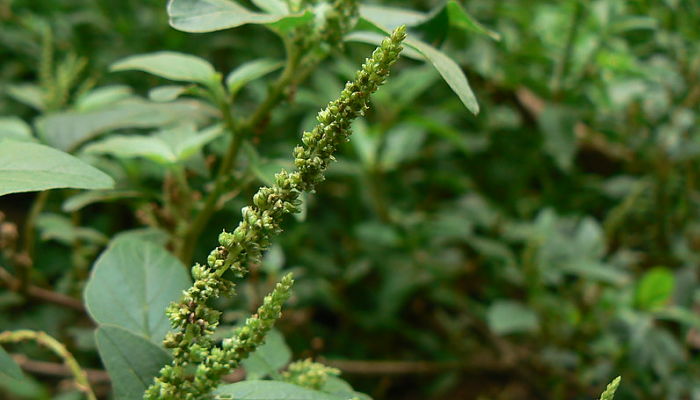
<point x="132" y="283"/>
<point x="506" y="316"/>
<point x="655" y="289"/>
<point x="102" y="97"/>
<point x="460" y="18"/>
<point x="392" y="17"/>
<point x="272" y="6"/>
<point x="28" y="167"/>
<point x="170" y="65"/>
<point x="16" y="129"/>
<point x="215" y="15"/>
<point x="338" y="387"/>
<point x="8" y="366"/>
<point x="80" y="200"/>
<point x="271" y="390"/>
<point x="68" y="130"/>
<point x="132" y="361"/>
<point x="268" y="358"/>
<point x="401" y="143"/>
<point x="61" y="229"/>
<point x="249" y="72"/>
<point x="28" y="94"/>
<point x="557" y="125"/>
<point x="163" y="94"/>
<point x="165" y="147"/>
<point x="448" y="68"/>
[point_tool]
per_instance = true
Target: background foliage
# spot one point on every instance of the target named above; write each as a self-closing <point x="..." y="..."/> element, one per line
<point x="535" y="250"/>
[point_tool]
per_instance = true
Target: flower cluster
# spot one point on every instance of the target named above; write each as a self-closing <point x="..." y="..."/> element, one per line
<point x="198" y="363"/>
<point x="309" y="374"/>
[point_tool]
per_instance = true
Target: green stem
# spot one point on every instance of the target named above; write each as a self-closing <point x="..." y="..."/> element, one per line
<point x="274" y="96"/>
<point x="81" y="380"/>
<point x="24" y="270"/>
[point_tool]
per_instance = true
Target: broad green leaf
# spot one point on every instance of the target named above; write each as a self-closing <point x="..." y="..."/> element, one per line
<point x="16" y="129"/>
<point x="8" y="366"/>
<point x="249" y="72"/>
<point x="655" y="288"/>
<point x="505" y="317"/>
<point x="131" y="360"/>
<point x="215" y="15"/>
<point x="268" y="358"/>
<point x="460" y="18"/>
<point x="165" y="147"/>
<point x="28" y="94"/>
<point x="170" y="65"/>
<point x="272" y="390"/>
<point x="28" y="167"/>
<point x="152" y="235"/>
<point x="80" y="200"/>
<point x="163" y="94"/>
<point x="448" y="68"/>
<point x="401" y="143"/>
<point x="338" y="387"/>
<point x="68" y="130"/>
<point x="132" y="283"/>
<point x="102" y="97"/>
<point x="60" y="228"/>
<point x="392" y="17"/>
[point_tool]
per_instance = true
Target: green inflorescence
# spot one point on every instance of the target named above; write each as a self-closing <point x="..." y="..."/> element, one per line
<point x="309" y="374"/>
<point x="198" y="362"/>
<point x="609" y="393"/>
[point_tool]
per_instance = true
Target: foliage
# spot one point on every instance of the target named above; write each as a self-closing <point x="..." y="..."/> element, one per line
<point x="515" y="216"/>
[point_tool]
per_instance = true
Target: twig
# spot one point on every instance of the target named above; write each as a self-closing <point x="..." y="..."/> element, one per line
<point x="40" y="293"/>
<point x="81" y="378"/>
<point x="95" y="376"/>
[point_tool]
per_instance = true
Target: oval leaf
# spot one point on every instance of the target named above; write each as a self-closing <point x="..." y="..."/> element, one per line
<point x="249" y="72"/>
<point x="27" y="167"/>
<point x="170" y="65"/>
<point x="132" y="361"/>
<point x="132" y="283"/>
<point x="8" y="366"/>
<point x="215" y="15"/>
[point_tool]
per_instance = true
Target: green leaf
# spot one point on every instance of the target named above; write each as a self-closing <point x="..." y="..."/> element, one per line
<point x="28" y="94"/>
<point x="16" y="129"/>
<point x="163" y="94"/>
<point x="8" y="366"/>
<point x="339" y="387"/>
<point x="272" y="390"/>
<point x="249" y="72"/>
<point x="170" y="65"/>
<point x="557" y="125"/>
<point x="102" y="97"/>
<point x="132" y="361"/>
<point x="655" y="288"/>
<point x="215" y="15"/>
<point x="268" y="358"/>
<point x="68" y="130"/>
<point x="165" y="147"/>
<point x="61" y="229"/>
<point x="401" y="143"/>
<point x="506" y="316"/>
<point x="132" y="283"/>
<point x="80" y="200"/>
<point x="392" y="17"/>
<point x="272" y="6"/>
<point x="27" y="167"/>
<point x="460" y="18"/>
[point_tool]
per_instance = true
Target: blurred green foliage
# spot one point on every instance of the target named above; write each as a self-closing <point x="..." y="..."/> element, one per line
<point x="535" y="250"/>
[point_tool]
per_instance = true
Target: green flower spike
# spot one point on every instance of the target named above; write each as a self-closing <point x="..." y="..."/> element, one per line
<point x="198" y="363"/>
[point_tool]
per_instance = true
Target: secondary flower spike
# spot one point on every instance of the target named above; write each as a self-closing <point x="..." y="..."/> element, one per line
<point x="198" y="363"/>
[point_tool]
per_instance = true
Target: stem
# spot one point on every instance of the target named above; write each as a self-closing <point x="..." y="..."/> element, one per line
<point x="25" y="269"/>
<point x="81" y="379"/>
<point x="6" y="279"/>
<point x="274" y="96"/>
<point x="562" y="67"/>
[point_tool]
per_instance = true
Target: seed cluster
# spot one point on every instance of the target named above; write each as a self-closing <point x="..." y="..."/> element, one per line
<point x="198" y="362"/>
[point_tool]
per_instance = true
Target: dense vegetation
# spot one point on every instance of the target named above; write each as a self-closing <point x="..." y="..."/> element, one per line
<point x="529" y="233"/>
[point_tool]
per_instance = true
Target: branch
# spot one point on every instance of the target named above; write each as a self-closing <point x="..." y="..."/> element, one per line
<point x="40" y="293"/>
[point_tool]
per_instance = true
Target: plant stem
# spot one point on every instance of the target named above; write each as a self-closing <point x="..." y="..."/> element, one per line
<point x="24" y="270"/>
<point x="274" y="96"/>
<point x="81" y="379"/>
